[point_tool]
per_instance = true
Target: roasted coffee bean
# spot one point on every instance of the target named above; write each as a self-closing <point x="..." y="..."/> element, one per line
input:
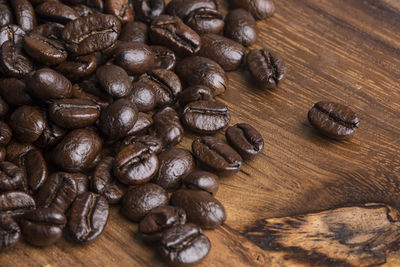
<point x="51" y="30"/>
<point x="135" y="164"/>
<point x="182" y="8"/>
<point x="246" y="140"/>
<point x="165" y="84"/>
<point x="143" y="96"/>
<point x="216" y="155"/>
<point x="261" y="9"/>
<point x="56" y="11"/>
<point x="96" y="4"/>
<point x="118" y="118"/>
<point x="13" y="62"/>
<point x="77" y="150"/>
<point x="114" y="80"/>
<point x="160" y="219"/>
<point x="11" y="177"/>
<point x="43" y="227"/>
<point x="140" y="200"/>
<point x="16" y="150"/>
<point x="80" y="67"/>
<point x="10" y="233"/>
<point x="35" y="169"/>
<point x="92" y="33"/>
<point x="5" y="133"/>
<point x="164" y="58"/>
<point x="167" y="127"/>
<point x="334" y="120"/>
<point x="143" y="123"/>
<point x="14" y="92"/>
<point x="194" y="94"/>
<point x="27" y="124"/>
<point x="241" y="27"/>
<point x="122" y="9"/>
<point x="83" y="10"/>
<point x="89" y="216"/>
<point x="266" y="68"/>
<point x="16" y="203"/>
<point x="206" y="116"/>
<point x="184" y="245"/>
<point x="3" y="107"/>
<point x="175" y="163"/>
<point x="205" y="20"/>
<point x="46" y="84"/>
<point x="24" y="14"/>
<point x="104" y="184"/>
<point x="44" y="50"/>
<point x="3" y="153"/>
<point x="51" y="135"/>
<point x="202" y="71"/>
<point x="202" y="180"/>
<point x="6" y="16"/>
<point x="82" y="181"/>
<point x="135" y="58"/>
<point x="172" y="32"/>
<point x="201" y="207"/>
<point x="11" y="33"/>
<point x="148" y="10"/>
<point x="152" y="143"/>
<point x="135" y="32"/>
<point x="92" y="87"/>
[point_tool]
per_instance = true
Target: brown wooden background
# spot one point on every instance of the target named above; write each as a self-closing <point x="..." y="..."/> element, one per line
<point x="341" y="50"/>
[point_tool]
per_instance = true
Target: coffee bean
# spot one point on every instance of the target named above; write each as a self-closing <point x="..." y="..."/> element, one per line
<point x="96" y="4"/>
<point x="246" y="140"/>
<point x="164" y="58"/>
<point x="135" y="58"/>
<point x="6" y="16"/>
<point x="5" y="133"/>
<point x="334" y="120"/>
<point x="216" y="155"/>
<point x="114" y="80"/>
<point x="12" y="33"/>
<point x="173" y="33"/>
<point x="77" y="68"/>
<point x="82" y="181"/>
<point x="167" y="127"/>
<point x="182" y="8"/>
<point x="35" y="168"/>
<point x="202" y="180"/>
<point x="143" y="96"/>
<point x="10" y="233"/>
<point x="51" y="30"/>
<point x="261" y="9"/>
<point x="148" y="10"/>
<point x="122" y="9"/>
<point x="140" y="200"/>
<point x="205" y="20"/>
<point x="153" y="144"/>
<point x="135" y="32"/>
<point x="184" y="245"/>
<point x="11" y="177"/>
<point x="51" y="135"/>
<point x="194" y="94"/>
<point x="13" y="62"/>
<point x="92" y="33"/>
<point x="241" y="27"/>
<point x="16" y="150"/>
<point x="202" y="71"/>
<point x="143" y="123"/>
<point x="3" y="153"/>
<point x="135" y="164"/>
<point x="14" y="92"/>
<point x="3" y="107"/>
<point x="27" y="124"/>
<point x="83" y="10"/>
<point x="56" y="11"/>
<point x="24" y="14"/>
<point x="89" y="216"/>
<point x="43" y="227"/>
<point x="16" y="203"/>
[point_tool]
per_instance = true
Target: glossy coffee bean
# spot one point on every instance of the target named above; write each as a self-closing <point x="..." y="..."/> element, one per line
<point x="216" y="155"/>
<point x="51" y="30"/>
<point x="202" y="180"/>
<point x="43" y="227"/>
<point x="143" y="123"/>
<point x="118" y="118"/>
<point x="6" y="16"/>
<point x="3" y="153"/>
<point x="52" y="135"/>
<point x="12" y="33"/>
<point x="27" y="124"/>
<point x="12" y="177"/>
<point x="5" y="133"/>
<point x="164" y="58"/>
<point x="194" y="94"/>
<point x="160" y="219"/>
<point x="135" y="32"/>
<point x="122" y="9"/>
<point x="182" y="8"/>
<point x="205" y="20"/>
<point x="246" y="140"/>
<point x="140" y="200"/>
<point x="77" y="150"/>
<point x="143" y="96"/>
<point x="260" y="9"/>
<point x="78" y="92"/>
<point x="104" y="183"/>
<point x="35" y="168"/>
<point x="153" y="144"/>
<point x="16" y="150"/>
<point x="167" y="127"/>
<point x="334" y="120"/>
<point x="82" y="181"/>
<point x="184" y="245"/>
<point x="92" y="33"/>
<point x="202" y="71"/>
<point x="114" y="80"/>
<point x="24" y="14"/>
<point x="135" y="58"/>
<point x="135" y="164"/>
<point x="92" y="91"/>
<point x="14" y="92"/>
<point x="173" y="33"/>
<point x="10" y="233"/>
<point x="241" y="27"/>
<point x="201" y="207"/>
<point x="16" y="203"/>
<point x="88" y="217"/>
<point x="46" y="84"/>
<point x="98" y="5"/>
<point x="56" y="11"/>
<point x="13" y="61"/>
<point x="74" y="113"/>
<point x="148" y="10"/>
<point x="77" y="68"/>
<point x="175" y="163"/>
<point x="83" y="10"/>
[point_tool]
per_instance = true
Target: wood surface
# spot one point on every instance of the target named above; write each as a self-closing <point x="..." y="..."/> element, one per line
<point x="339" y="50"/>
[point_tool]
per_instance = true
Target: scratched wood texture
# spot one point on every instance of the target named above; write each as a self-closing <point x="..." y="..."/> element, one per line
<point x="340" y="50"/>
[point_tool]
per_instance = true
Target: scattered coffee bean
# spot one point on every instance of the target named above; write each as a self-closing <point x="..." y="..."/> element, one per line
<point x="164" y="58"/>
<point x="182" y="8"/>
<point x="205" y="20"/>
<point x="13" y="62"/>
<point x="152" y="143"/>
<point x="11" y="177"/>
<point x="241" y="27"/>
<point x="246" y="140"/>
<point x="261" y="9"/>
<point x="135" y="58"/>
<point x="16" y="203"/>
<point x="202" y="180"/>
<point x="24" y="14"/>
<point x="143" y="96"/>
<point x="10" y="233"/>
<point x="135" y="32"/>
<point x="167" y="127"/>
<point x="35" y="169"/>
<point x="114" y="80"/>
<point x="194" y="94"/>
<point x="122" y="9"/>
<point x="56" y="12"/>
<point x="148" y="10"/>
<point x="143" y="123"/>
<point x="27" y="124"/>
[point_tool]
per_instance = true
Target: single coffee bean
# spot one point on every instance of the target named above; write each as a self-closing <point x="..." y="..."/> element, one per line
<point x="241" y="27"/>
<point x="167" y="127"/>
<point x="216" y="155"/>
<point x="11" y="177"/>
<point x="24" y="14"/>
<point x="35" y="169"/>
<point x="143" y="96"/>
<point x="83" y="10"/>
<point x="51" y="135"/>
<point x="246" y="140"/>
<point x="43" y="227"/>
<point x="260" y="9"/>
<point x="173" y="33"/>
<point x="334" y="120"/>
<point x="16" y="150"/>
<point x="135" y="58"/>
<point x="160" y="219"/>
<point x="206" y="116"/>
<point x="143" y="123"/>
<point x="16" y="203"/>
<point x="148" y="10"/>
<point x="175" y="163"/>
<point x="184" y="245"/>
<point x="104" y="184"/>
<point x="77" y="150"/>
<point x="194" y="94"/>
<point x="12" y="33"/>
<point x="202" y="180"/>
<point x="27" y="124"/>
<point x="164" y="58"/>
<point x="92" y="33"/>
<point x="13" y="62"/>
<point x="122" y="9"/>
<point x="88" y="217"/>
<point x="6" y="16"/>
<point x="56" y="11"/>
<point x="135" y="32"/>
<point x="10" y="233"/>
<point x="14" y="92"/>
<point x="5" y="133"/>
<point x="205" y="20"/>
<point x="152" y="143"/>
<point x="51" y="30"/>
<point x="77" y="68"/>
<point x="135" y="164"/>
<point x="140" y="200"/>
<point x="114" y="80"/>
<point x="202" y="71"/>
<point x="182" y="8"/>
<point x="118" y="118"/>
<point x="201" y="207"/>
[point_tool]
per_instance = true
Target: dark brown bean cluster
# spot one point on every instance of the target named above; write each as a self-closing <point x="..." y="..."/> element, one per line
<point x="95" y="96"/>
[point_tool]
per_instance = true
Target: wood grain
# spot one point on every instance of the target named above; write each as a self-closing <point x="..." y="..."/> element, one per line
<point x="338" y="50"/>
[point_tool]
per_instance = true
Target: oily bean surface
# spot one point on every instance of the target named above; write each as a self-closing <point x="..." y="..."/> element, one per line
<point x="24" y="14"/>
<point x="135" y="32"/>
<point x="10" y="233"/>
<point x="122" y="9"/>
<point x="5" y="133"/>
<point x="202" y="180"/>
<point x="77" y="68"/>
<point x="260" y="9"/>
<point x="241" y="27"/>
<point x="246" y="140"/>
<point x="164" y="58"/>
<point x="135" y="58"/>
<point x="194" y="94"/>
<point x="12" y="177"/>
<point x="148" y="10"/>
<point x="14" y="92"/>
<point x="56" y="11"/>
<point x="143" y="96"/>
<point x="27" y="124"/>
<point x="114" y="80"/>
<point x="167" y="127"/>
<point x="13" y="61"/>
<point x="143" y="123"/>
<point x="153" y="143"/>
<point x="16" y="203"/>
<point x="35" y="169"/>
<point x="205" y="20"/>
<point x="182" y="8"/>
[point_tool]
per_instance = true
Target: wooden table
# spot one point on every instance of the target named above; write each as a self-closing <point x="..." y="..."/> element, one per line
<point x="340" y="50"/>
